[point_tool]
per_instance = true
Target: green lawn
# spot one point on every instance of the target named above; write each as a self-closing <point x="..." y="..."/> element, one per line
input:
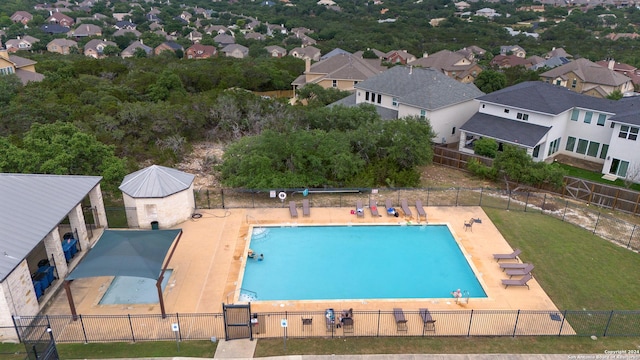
<point x="594" y="176"/>
<point x="577" y="270"/>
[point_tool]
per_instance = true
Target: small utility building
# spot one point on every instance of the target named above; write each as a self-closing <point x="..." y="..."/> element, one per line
<point x="158" y="196"/>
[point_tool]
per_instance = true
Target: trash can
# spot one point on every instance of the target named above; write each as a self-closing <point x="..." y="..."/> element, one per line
<point x="154" y="225"/>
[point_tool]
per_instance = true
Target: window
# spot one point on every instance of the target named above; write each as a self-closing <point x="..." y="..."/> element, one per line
<point x="379" y="98"/>
<point x="593" y="149"/>
<point x="522" y="116"/>
<point x="334" y="83"/>
<point x="366" y="96"/>
<point x="571" y="143"/>
<point x="453" y="131"/>
<point x="573" y="83"/>
<point x="536" y="151"/>
<point x="619" y="167"/>
<point x="423" y="114"/>
<point x="553" y="147"/>
<point x="394" y="101"/>
<point x="603" y="151"/>
<point x="628" y="132"/>
<point x="582" y="146"/>
<point x="575" y="114"/>
<point x="506" y="111"/>
<point x="483" y="106"/>
<point x="355" y="83"/>
<point x="601" y="119"/>
<point x="558" y="82"/>
<point x="587" y="117"/>
<point x="613" y="124"/>
<point x="7" y="70"/>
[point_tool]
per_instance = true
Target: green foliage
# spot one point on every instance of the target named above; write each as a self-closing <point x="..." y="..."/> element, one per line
<point x="490" y="80"/>
<point x="61" y="148"/>
<point x="481" y="170"/>
<point x="486" y="147"/>
<point x="518" y="166"/>
<point x="9" y="87"/>
<point x="615" y="95"/>
<point x="317" y="96"/>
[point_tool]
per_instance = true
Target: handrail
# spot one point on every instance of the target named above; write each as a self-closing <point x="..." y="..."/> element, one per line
<point x="232" y="293"/>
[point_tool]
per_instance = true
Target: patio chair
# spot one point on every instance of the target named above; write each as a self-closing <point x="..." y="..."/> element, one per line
<point x="427" y="320"/>
<point x="512" y="256"/>
<point x="293" y="210"/>
<point x="421" y="212"/>
<point x="347" y="325"/>
<point x="468" y="225"/>
<point x="519" y="282"/>
<point x="305" y="208"/>
<point x="405" y="208"/>
<point x="401" y="321"/>
<point x="373" y="207"/>
<point x="307" y="322"/>
<point x="505" y="266"/>
<point x="359" y="209"/>
<point x="519" y="272"/>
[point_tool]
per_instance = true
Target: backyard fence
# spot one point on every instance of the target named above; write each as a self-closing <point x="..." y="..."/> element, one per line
<point x="464" y="323"/>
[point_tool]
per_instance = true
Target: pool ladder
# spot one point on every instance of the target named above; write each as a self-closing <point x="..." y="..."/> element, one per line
<point x="245" y="295"/>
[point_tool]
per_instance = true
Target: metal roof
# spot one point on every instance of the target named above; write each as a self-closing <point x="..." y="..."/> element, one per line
<point x="31" y="206"/>
<point x="155" y="181"/>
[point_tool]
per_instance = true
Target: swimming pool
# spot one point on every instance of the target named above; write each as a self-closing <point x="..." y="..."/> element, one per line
<point x="356" y="262"/>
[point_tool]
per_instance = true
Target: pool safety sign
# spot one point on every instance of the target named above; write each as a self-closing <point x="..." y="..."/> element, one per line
<point x="283" y="323"/>
<point x="175" y="327"/>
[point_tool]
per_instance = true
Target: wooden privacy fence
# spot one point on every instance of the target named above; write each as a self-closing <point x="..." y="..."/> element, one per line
<point x="464" y="323"/>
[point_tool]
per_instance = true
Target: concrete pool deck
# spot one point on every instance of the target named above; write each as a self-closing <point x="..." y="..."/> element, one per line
<point x="211" y="253"/>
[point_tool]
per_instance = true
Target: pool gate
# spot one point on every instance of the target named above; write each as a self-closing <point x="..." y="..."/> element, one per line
<point x="37" y="336"/>
<point x="237" y="321"/>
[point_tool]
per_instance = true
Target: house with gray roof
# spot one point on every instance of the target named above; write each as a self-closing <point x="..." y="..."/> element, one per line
<point x="131" y="49"/>
<point x="340" y="71"/>
<point x="43" y="234"/>
<point x="547" y="120"/>
<point x="423" y="93"/>
<point x="586" y="77"/>
<point x="235" y="50"/>
<point x="452" y="64"/>
<point x="160" y="195"/>
<point x="306" y="52"/>
<point x="276" y="51"/>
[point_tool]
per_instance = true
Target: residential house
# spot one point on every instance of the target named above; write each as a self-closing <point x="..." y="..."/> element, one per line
<point x="185" y="16"/>
<point x="404" y="91"/>
<point x="622" y="68"/>
<point x="21" y="43"/>
<point x="125" y="24"/>
<point x="95" y="48"/>
<point x="550" y="63"/>
<point x="341" y="71"/>
<point x="586" y="77"/>
<point x="24" y="69"/>
<point x="223" y="40"/>
<point x="216" y="29"/>
<point x="96" y="16"/>
<point x="61" y="19"/>
<point x="304" y="39"/>
<point x="507" y="61"/>
<point x="252" y="24"/>
<point x="121" y="16"/>
<point x="338" y="51"/>
<point x="61" y="46"/>
<point x="195" y="36"/>
<point x="133" y="48"/>
<point x="274" y="29"/>
<point x="168" y="46"/>
<point x="235" y="50"/>
<point x="22" y="17"/>
<point x="471" y="52"/>
<point x="54" y="29"/>
<point x="276" y="51"/>
<point x="452" y="64"/>
<point x="301" y="31"/>
<point x="516" y="50"/>
<point x="547" y="120"/>
<point x="398" y="57"/>
<point x="199" y="51"/>
<point x="461" y="5"/>
<point x="254" y="36"/>
<point x="487" y="12"/>
<point x="86" y="30"/>
<point x="307" y="52"/>
<point x="326" y="2"/>
<point x="124" y="32"/>
<point x="558" y="52"/>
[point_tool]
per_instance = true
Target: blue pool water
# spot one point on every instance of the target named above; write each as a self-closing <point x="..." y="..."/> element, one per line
<point x="134" y="290"/>
<point x="357" y="262"/>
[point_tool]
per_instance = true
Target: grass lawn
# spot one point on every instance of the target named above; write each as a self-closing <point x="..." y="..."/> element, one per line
<point x="594" y="176"/>
<point x="577" y="269"/>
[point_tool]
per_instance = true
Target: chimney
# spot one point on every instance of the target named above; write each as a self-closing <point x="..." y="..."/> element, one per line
<point x="611" y="64"/>
<point x="307" y="65"/>
<point x="425" y="54"/>
<point x="410" y="69"/>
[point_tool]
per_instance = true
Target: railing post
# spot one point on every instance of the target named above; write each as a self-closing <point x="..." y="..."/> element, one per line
<point x="544" y="202"/>
<point x="470" y="321"/>
<point x="133" y="335"/>
<point x="509" y="200"/>
<point x="428" y="193"/>
<point x="378" y="331"/>
<point x="564" y="316"/>
<point x="515" y="326"/>
<point x="222" y="196"/>
<point x="457" y="195"/>
<point x="253" y="199"/>
<point x="566" y="205"/>
<point x="84" y="331"/>
<point x="608" y="322"/>
<point x="596" y="225"/>
<point x="15" y="325"/>
<point x="481" y="192"/>
<point x="526" y="202"/>
<point x="631" y="237"/>
<point x="178" y="321"/>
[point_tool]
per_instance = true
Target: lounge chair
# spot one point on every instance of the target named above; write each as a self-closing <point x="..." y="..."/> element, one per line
<point x="388" y="205"/>
<point x="305" y="208"/>
<point x="347" y="325"/>
<point x="505" y="266"/>
<point x="421" y="212"/>
<point x="401" y="321"/>
<point x="292" y="209"/>
<point x="373" y="206"/>
<point x="512" y="256"/>
<point x="519" y="272"/>
<point x="307" y="322"/>
<point x="468" y="225"/>
<point x="519" y="282"/>
<point x="359" y="209"/>
<point x="405" y="208"/>
<point x="427" y="320"/>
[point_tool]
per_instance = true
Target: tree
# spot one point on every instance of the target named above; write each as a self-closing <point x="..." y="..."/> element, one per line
<point x="516" y="165"/>
<point x="316" y="95"/>
<point x="615" y="95"/>
<point x="485" y="147"/>
<point x="490" y="80"/>
<point x="9" y="87"/>
<point x="111" y="50"/>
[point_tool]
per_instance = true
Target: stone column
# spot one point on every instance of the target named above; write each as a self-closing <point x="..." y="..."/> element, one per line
<point x="97" y="203"/>
<point x="53" y="246"/>
<point x="76" y="219"/>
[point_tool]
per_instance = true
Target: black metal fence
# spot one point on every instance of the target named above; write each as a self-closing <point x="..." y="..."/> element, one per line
<point x="464" y="323"/>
